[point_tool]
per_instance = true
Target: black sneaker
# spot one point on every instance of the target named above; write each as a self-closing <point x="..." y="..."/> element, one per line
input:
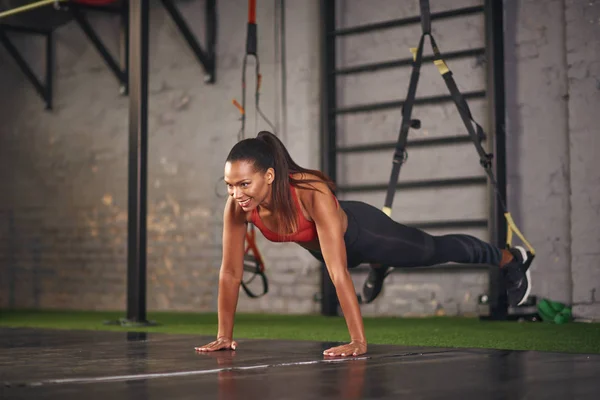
<point x="374" y="283"/>
<point x="518" y="277"/>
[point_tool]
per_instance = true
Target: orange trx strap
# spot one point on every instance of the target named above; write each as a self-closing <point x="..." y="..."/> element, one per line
<point x="253" y="261"/>
<point x="251" y="50"/>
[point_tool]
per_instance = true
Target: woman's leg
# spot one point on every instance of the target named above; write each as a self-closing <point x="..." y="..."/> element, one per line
<point x="381" y="240"/>
<point x="464" y="249"/>
<point x="385" y="243"/>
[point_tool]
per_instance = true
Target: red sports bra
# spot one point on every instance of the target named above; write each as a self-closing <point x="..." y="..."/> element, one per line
<point x="307" y="230"/>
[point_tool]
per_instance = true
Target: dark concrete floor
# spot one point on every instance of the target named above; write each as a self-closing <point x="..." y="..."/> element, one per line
<point x="52" y="364"/>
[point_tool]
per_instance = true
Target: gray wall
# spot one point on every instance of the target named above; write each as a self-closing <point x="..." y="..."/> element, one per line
<point x="553" y="65"/>
<point x="583" y="60"/>
<point x="63" y="174"/>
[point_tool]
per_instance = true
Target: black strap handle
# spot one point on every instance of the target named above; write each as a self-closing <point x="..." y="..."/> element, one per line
<point x="251" y="264"/>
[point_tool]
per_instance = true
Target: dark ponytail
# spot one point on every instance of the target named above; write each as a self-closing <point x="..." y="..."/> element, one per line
<point x="267" y="151"/>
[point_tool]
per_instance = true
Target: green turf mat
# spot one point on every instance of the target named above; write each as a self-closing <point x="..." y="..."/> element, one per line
<point x="435" y="331"/>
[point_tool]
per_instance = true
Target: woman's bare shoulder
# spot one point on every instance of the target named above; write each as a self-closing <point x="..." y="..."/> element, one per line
<point x="313" y="185"/>
<point x="311" y="179"/>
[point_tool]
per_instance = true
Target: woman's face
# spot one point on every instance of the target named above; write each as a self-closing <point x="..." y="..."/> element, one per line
<point x="246" y="185"/>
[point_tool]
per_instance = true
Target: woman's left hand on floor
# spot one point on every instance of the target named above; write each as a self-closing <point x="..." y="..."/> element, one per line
<point x="354" y="348"/>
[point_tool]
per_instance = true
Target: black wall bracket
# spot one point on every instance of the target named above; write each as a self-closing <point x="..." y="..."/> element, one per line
<point x="44" y="89"/>
<point x="206" y="57"/>
<point x="80" y="17"/>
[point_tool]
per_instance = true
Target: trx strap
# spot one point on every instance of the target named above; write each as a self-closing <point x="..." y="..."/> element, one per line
<point x="251" y="50"/>
<point x="253" y="261"/>
<point x="475" y="131"/>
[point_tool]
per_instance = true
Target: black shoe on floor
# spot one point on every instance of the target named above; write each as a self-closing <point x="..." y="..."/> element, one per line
<point x="518" y="277"/>
<point x="374" y="283"/>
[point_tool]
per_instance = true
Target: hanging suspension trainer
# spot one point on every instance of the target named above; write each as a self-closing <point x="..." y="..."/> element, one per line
<point x="253" y="261"/>
<point x="477" y="135"/>
<point x="475" y="131"/>
<point x="251" y="51"/>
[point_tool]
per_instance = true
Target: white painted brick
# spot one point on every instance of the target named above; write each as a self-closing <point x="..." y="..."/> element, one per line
<point x="63" y="174"/>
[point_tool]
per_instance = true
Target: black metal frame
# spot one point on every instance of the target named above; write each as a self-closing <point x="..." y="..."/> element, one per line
<point x="420" y="184"/>
<point x="46" y="91"/>
<point x="494" y="94"/>
<point x="329" y="301"/>
<point x="378" y="26"/>
<point x="385" y="105"/>
<point x="138" y="161"/>
<point x="497" y="110"/>
<point x="81" y="19"/>
<point x="43" y="89"/>
<point x="454" y="55"/>
<point x="138" y="142"/>
<point x="134" y="80"/>
<point x="421" y="142"/>
<point x="206" y="58"/>
<point x="494" y="23"/>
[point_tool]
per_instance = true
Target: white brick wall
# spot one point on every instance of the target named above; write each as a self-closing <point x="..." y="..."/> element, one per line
<point x="583" y="60"/>
<point x="63" y="174"/>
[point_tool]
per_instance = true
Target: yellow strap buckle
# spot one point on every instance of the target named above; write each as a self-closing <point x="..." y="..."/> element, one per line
<point x="512" y="227"/>
<point x="413" y="50"/>
<point x="442" y="67"/>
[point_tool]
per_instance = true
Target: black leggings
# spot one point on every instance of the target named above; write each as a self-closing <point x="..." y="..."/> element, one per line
<point x="373" y="237"/>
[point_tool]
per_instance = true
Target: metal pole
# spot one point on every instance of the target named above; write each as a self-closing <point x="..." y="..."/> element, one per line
<point x="497" y="108"/>
<point x="49" y="69"/>
<point x="138" y="154"/>
<point x="125" y="47"/>
<point x="210" y="19"/>
<point x="12" y="50"/>
<point x="329" y="301"/>
<point x="494" y="22"/>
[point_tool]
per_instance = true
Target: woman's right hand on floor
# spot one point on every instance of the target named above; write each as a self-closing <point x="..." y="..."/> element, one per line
<point x="219" y="344"/>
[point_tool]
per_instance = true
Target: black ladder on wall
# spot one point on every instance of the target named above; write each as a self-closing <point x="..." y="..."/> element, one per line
<point x="494" y="94"/>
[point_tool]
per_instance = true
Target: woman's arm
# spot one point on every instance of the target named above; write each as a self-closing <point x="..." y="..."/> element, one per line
<point x="230" y="275"/>
<point x="323" y="209"/>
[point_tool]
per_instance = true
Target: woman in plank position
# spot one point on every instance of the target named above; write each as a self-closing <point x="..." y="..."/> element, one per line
<point x="288" y="203"/>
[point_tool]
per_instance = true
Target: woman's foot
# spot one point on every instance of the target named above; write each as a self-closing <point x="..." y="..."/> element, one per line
<point x="374" y="283"/>
<point x="517" y="277"/>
